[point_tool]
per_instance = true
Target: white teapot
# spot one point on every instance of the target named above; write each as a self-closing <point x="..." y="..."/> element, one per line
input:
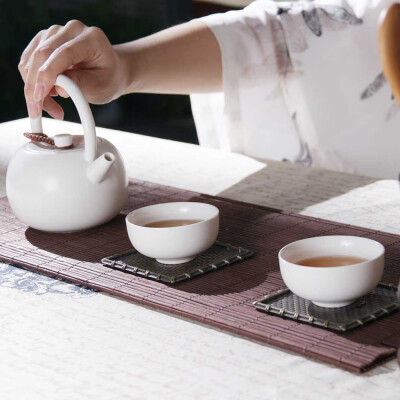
<point x="73" y="183"/>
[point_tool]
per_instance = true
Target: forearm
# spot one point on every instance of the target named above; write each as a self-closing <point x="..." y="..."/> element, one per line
<point x="180" y="60"/>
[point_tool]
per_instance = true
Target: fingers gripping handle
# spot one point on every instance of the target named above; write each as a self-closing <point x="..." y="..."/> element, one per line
<point x="85" y="114"/>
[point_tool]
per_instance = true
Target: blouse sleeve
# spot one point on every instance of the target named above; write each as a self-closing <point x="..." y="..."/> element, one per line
<point x="245" y="38"/>
<point x="248" y="40"/>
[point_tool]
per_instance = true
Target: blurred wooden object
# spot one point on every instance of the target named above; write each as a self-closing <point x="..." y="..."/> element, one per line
<point x="389" y="48"/>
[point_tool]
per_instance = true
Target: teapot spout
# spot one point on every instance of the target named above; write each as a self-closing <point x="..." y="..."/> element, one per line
<point x="97" y="170"/>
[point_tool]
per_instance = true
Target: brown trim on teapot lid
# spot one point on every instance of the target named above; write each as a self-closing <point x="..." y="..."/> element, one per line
<point x="39" y="137"/>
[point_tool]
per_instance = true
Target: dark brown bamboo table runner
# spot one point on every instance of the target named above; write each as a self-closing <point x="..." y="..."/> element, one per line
<point x="223" y="298"/>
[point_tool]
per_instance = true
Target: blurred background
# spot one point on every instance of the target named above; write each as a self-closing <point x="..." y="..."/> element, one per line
<point x="166" y="116"/>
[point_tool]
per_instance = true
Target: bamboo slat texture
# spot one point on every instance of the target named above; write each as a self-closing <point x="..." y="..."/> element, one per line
<point x="224" y="298"/>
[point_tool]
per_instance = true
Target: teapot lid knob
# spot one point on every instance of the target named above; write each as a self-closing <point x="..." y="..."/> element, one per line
<point x="63" y="141"/>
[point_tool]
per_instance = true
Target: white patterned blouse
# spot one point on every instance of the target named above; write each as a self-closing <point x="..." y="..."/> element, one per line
<point x="303" y="82"/>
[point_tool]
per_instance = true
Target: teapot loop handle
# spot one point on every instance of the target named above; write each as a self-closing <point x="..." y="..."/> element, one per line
<point x="85" y="114"/>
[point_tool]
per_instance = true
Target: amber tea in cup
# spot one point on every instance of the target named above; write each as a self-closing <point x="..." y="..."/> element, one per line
<point x="171" y="223"/>
<point x="187" y="229"/>
<point x="330" y="261"/>
<point x="348" y="267"/>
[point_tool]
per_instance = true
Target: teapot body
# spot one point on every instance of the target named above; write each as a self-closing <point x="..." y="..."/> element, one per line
<point x="52" y="190"/>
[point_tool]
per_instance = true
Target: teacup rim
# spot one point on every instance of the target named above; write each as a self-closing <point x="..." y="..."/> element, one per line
<point x="211" y="206"/>
<point x="381" y="253"/>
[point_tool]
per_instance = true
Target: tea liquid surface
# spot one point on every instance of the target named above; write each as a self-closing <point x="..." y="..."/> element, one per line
<point x="170" y="223"/>
<point x="330" y="261"/>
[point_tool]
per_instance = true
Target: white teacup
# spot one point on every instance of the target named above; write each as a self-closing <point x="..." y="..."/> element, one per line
<point x="332" y="286"/>
<point x="178" y="244"/>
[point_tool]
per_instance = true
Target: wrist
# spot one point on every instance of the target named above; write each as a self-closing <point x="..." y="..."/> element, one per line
<point x="129" y="74"/>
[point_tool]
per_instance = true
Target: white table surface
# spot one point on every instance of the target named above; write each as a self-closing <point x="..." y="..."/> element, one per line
<point x="59" y="341"/>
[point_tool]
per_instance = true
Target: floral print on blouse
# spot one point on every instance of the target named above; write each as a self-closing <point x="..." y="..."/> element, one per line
<point x="303" y="82"/>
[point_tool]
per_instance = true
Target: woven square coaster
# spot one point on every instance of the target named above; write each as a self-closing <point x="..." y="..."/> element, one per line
<point x="380" y="302"/>
<point x="218" y="256"/>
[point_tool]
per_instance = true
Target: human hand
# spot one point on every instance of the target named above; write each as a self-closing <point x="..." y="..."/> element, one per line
<point x="82" y="53"/>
